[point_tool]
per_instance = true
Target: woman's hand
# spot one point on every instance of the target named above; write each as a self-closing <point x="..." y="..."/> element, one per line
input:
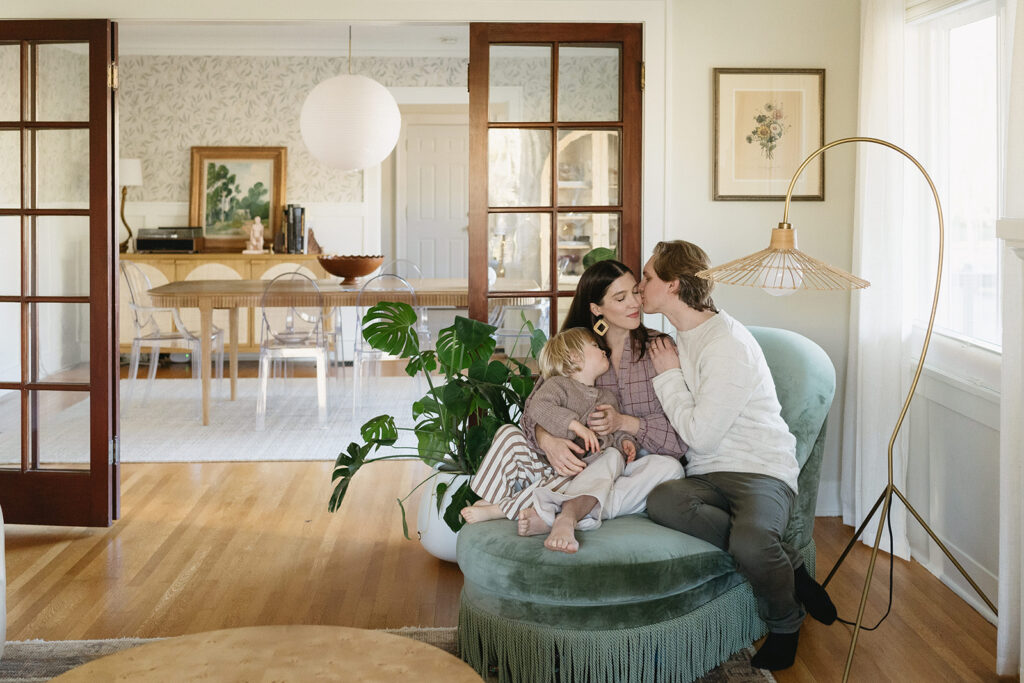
<point x="561" y="453"/>
<point x="663" y="354"/>
<point x="606" y="419"/>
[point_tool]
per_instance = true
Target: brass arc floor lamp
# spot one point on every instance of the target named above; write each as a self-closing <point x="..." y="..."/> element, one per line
<point x="783" y="267"/>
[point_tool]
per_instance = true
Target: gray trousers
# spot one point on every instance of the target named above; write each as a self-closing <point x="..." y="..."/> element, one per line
<point x="745" y="515"/>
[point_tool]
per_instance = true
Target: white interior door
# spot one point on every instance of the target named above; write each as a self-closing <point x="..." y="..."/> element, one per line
<point x="432" y="227"/>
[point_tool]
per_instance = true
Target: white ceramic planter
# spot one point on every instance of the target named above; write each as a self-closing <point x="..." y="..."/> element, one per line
<point x="436" y="537"/>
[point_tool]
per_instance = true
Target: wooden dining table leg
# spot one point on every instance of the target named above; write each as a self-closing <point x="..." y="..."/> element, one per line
<point x="233" y="332"/>
<point x="205" y="330"/>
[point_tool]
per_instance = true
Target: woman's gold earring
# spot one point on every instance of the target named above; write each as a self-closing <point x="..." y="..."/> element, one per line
<point x="600" y="327"/>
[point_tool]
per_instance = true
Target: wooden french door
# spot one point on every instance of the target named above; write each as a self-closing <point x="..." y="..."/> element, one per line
<point x="58" y="337"/>
<point x="555" y="162"/>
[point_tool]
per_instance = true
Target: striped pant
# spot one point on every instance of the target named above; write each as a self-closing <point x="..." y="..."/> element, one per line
<point x="514" y="476"/>
<point x="511" y="471"/>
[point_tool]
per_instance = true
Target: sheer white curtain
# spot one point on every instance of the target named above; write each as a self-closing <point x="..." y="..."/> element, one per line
<point x="1011" y="514"/>
<point x="874" y="385"/>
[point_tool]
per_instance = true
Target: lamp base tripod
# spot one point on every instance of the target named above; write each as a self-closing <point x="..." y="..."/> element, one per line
<point x="886" y="498"/>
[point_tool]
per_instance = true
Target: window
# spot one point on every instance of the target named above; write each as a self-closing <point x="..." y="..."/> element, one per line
<point x="954" y="114"/>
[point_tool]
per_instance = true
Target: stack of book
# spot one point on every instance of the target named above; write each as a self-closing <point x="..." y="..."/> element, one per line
<point x="294" y="229"/>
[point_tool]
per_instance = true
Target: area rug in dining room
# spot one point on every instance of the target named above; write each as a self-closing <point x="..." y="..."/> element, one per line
<point x="34" y="661"/>
<point x="166" y="427"/>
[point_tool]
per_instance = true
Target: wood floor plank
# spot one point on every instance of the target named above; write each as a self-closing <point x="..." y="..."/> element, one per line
<point x="215" y="545"/>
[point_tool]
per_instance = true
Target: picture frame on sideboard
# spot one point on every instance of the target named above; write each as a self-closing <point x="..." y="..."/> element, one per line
<point x="230" y="187"/>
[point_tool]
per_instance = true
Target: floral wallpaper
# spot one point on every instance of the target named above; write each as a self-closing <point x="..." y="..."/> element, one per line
<point x="169" y="104"/>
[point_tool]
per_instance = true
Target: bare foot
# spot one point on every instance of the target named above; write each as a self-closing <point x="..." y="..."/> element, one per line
<point x="563" y="535"/>
<point x="481" y="511"/>
<point x="530" y="523"/>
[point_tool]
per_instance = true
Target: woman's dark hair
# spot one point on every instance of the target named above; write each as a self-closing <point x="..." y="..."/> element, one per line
<point x="592" y="287"/>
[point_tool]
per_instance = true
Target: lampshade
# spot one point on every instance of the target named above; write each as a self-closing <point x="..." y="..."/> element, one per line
<point x="130" y="172"/>
<point x="783" y="268"/>
<point x="350" y="122"/>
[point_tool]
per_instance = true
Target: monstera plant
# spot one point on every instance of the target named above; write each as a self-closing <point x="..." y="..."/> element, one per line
<point x="469" y="396"/>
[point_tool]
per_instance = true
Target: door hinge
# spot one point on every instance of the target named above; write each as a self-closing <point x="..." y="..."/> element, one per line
<point x="643" y="75"/>
<point x="112" y="76"/>
<point x="114" y="451"/>
<point x="468" y="66"/>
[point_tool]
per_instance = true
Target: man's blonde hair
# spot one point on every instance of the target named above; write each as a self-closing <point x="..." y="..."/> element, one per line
<point x="680" y="261"/>
<point x="563" y="354"/>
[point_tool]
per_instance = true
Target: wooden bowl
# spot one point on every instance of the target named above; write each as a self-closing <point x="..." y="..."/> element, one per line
<point x="350" y="267"/>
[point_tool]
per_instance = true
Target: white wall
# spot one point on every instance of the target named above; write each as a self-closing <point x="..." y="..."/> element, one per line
<point x="794" y="34"/>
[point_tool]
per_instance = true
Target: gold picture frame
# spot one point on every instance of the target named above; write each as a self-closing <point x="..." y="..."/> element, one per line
<point x="230" y="187"/>
<point x="766" y="122"/>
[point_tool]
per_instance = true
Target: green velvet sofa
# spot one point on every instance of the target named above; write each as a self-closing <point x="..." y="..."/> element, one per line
<point x="638" y="602"/>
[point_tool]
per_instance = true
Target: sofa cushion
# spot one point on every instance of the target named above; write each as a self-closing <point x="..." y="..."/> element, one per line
<point x="629" y="561"/>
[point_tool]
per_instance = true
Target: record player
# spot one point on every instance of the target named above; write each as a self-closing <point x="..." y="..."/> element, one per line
<point x="182" y="240"/>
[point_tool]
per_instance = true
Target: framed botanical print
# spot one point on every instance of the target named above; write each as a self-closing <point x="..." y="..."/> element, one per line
<point x="234" y="187"/>
<point x="767" y="121"/>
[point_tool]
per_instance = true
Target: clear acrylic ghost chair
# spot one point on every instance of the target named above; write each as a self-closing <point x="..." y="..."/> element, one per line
<point x="153" y="329"/>
<point x="364" y="356"/>
<point x="512" y="334"/>
<point x="410" y="271"/>
<point x="280" y="365"/>
<point x="291" y="331"/>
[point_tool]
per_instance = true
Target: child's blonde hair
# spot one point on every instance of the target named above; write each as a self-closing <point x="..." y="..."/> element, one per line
<point x="563" y="353"/>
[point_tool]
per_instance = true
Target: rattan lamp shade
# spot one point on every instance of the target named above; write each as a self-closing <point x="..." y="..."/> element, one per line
<point x="783" y="267"/>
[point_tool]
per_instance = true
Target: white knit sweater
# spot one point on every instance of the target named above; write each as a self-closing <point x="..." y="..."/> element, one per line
<point x="722" y="402"/>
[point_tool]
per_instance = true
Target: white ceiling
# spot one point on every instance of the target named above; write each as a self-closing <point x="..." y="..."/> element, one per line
<point x="292" y="39"/>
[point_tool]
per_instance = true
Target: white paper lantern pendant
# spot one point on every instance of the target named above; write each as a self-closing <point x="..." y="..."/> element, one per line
<point x="350" y="122"/>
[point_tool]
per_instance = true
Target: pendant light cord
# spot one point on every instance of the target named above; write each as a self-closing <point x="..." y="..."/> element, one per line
<point x="350" y="49"/>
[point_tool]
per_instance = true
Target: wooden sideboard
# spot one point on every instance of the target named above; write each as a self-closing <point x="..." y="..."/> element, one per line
<point x="164" y="268"/>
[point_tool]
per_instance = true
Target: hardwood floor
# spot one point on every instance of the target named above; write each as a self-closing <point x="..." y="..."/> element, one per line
<point x="217" y="545"/>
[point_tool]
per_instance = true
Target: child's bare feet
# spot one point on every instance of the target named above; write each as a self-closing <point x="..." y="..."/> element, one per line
<point x="563" y="535"/>
<point x="481" y="511"/>
<point x="530" y="523"/>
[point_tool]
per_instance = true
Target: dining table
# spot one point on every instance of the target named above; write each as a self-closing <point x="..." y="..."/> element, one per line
<point x="207" y="295"/>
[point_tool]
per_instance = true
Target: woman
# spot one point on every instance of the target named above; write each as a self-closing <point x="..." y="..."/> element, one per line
<point x="608" y="302"/>
<point x="742" y="470"/>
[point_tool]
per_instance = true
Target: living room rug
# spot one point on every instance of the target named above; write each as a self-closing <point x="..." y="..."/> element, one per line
<point x="35" y="661"/>
<point x="166" y="427"/>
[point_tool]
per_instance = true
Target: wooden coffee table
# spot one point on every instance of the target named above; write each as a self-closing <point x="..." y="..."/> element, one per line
<point x="279" y="653"/>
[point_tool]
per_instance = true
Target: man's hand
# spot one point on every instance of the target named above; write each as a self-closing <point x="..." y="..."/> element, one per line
<point x="629" y="451"/>
<point x="663" y="355"/>
<point x="561" y="453"/>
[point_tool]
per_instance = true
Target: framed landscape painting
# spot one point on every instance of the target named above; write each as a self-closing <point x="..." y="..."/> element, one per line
<point x="233" y="186"/>
<point x="767" y="121"/>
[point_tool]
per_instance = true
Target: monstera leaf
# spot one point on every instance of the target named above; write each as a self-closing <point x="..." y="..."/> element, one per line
<point x="464" y="343"/>
<point x="380" y="430"/>
<point x="391" y="327"/>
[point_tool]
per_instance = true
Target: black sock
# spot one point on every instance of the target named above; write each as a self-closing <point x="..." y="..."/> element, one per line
<point x="813" y="596"/>
<point x="777" y="652"/>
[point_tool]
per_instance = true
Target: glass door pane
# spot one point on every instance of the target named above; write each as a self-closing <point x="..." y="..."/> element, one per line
<point x="519" y="165"/>
<point x="588" y="82"/>
<point x="520" y="83"/>
<point x="10" y="81"/>
<point x="62" y="82"/>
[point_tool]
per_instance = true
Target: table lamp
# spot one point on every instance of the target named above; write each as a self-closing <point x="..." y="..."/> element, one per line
<point x="130" y="172"/>
<point x="782" y="268"/>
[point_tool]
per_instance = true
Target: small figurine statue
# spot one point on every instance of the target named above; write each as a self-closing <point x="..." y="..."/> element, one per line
<point x="255" y="243"/>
